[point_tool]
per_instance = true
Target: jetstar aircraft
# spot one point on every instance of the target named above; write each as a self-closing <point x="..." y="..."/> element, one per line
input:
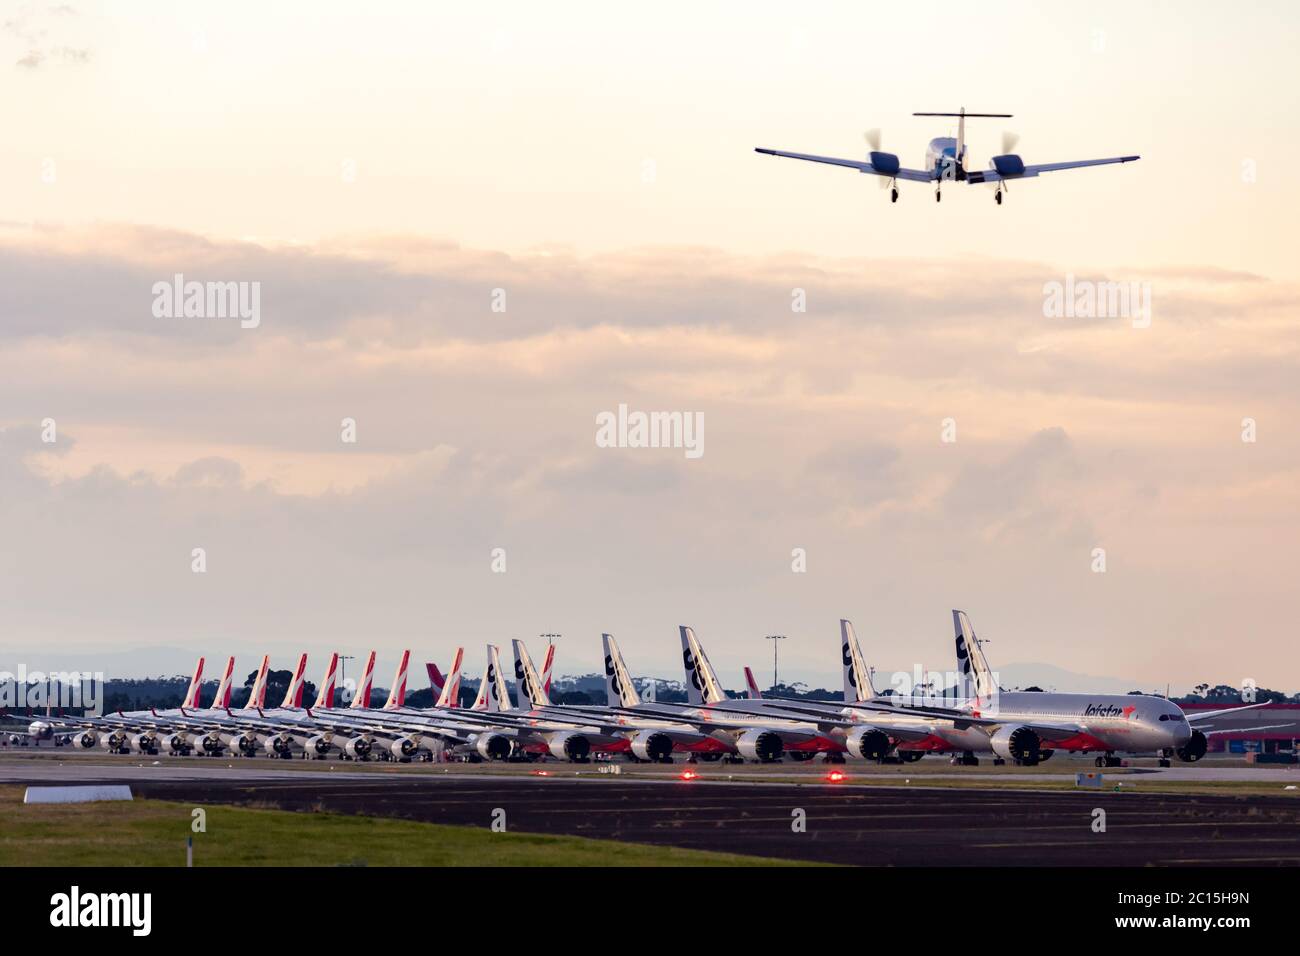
<point x="946" y="160"/>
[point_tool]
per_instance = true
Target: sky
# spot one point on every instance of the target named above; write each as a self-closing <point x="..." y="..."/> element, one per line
<point x="389" y="177"/>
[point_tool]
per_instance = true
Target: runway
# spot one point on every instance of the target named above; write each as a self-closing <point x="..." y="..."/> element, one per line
<point x="883" y="826"/>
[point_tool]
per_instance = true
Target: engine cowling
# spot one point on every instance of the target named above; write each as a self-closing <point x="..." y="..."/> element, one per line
<point x="210" y="744"/>
<point x="86" y="740"/>
<point x="245" y="743"/>
<point x="278" y="746"/>
<point x="358" y="748"/>
<point x="572" y="746"/>
<point x="869" y="743"/>
<point x="116" y="742"/>
<point x="886" y="163"/>
<point x="1020" y="744"/>
<point x="404" y="748"/>
<point x="144" y="743"/>
<point x="656" y="747"/>
<point x="1194" y="749"/>
<point x="179" y="743"/>
<point x="318" y="747"/>
<point x="762" y="745"/>
<point x="493" y="747"/>
<point x="1008" y="165"/>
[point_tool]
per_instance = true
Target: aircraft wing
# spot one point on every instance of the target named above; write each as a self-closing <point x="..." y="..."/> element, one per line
<point x="1199" y="715"/>
<point x="916" y="175"/>
<point x="1242" y="730"/>
<point x="1026" y="172"/>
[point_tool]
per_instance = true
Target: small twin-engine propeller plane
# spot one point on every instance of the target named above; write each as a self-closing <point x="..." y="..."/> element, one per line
<point x="946" y="160"/>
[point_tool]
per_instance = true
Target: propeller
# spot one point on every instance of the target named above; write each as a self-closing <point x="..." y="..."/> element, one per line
<point x="1009" y="140"/>
<point x="872" y="136"/>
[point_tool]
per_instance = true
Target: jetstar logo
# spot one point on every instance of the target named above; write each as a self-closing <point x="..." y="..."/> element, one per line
<point x="1109" y="710"/>
<point x="688" y="659"/>
<point x="848" y="662"/>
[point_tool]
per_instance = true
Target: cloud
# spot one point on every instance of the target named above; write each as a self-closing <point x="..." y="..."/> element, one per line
<point x="475" y="431"/>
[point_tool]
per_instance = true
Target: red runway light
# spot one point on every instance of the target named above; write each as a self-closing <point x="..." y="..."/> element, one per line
<point x="689" y="774"/>
<point x="835" y="776"/>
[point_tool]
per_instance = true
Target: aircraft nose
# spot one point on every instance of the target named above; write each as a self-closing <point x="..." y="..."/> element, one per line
<point x="1182" y="733"/>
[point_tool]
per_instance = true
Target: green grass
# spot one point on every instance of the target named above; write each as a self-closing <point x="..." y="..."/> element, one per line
<point x="153" y="833"/>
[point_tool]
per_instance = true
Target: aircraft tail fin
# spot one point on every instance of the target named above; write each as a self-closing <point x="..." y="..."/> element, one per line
<point x="361" y="700"/>
<point x="528" y="686"/>
<point x="976" y="677"/>
<point x="702" y="686"/>
<point x="222" y="699"/>
<point x="857" y="679"/>
<point x="546" y="668"/>
<point x="397" y="696"/>
<point x="619" y="689"/>
<point x="449" y="686"/>
<point x="325" y="697"/>
<point x="257" y="696"/>
<point x="293" y="695"/>
<point x="493" y="695"/>
<point x="192" y="694"/>
<point x="751" y="686"/>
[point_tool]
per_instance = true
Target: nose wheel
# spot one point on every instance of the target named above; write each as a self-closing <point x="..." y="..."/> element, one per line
<point x="938" y="196"/>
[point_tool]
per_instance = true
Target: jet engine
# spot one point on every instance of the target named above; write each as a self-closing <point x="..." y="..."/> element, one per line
<point x="179" y="744"/>
<point x="573" y="746"/>
<point x="40" y="730"/>
<point x="86" y="739"/>
<point x="318" y="747"/>
<point x="404" y="748"/>
<point x="762" y="745"/>
<point x="493" y="747"/>
<point x="245" y="743"/>
<point x="656" y="747"/>
<point x="115" y="743"/>
<point x="279" y="746"/>
<point x="145" y="744"/>
<point x="868" y="743"/>
<point x="1194" y="749"/>
<point x="1020" y="744"/>
<point x="209" y="744"/>
<point x="358" y="748"/>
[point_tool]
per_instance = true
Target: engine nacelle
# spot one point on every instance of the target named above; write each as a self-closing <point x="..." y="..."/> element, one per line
<point x="762" y="745"/>
<point x="244" y="743"/>
<point x="278" y="746"/>
<point x="493" y="747"/>
<point x="358" y="748"/>
<point x="655" y="746"/>
<point x="869" y="743"/>
<point x="318" y="747"/>
<point x="1194" y="749"/>
<point x="40" y="730"/>
<point x="1008" y="165"/>
<point x="86" y="740"/>
<point x="573" y="746"/>
<point x="116" y="742"/>
<point x="145" y="744"/>
<point x="886" y="163"/>
<point x="1020" y="744"/>
<point x="210" y="744"/>
<point x="179" y="744"/>
<point x="404" y="748"/>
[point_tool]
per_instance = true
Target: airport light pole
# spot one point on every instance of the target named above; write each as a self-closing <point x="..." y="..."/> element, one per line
<point x="775" y="639"/>
<point x="550" y="637"/>
<point x="343" y="668"/>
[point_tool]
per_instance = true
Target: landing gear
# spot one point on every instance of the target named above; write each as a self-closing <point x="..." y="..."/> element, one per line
<point x="938" y="196"/>
<point x="967" y="759"/>
<point x="997" y="197"/>
<point x="1109" y="760"/>
<point x="999" y="762"/>
<point x="893" y="194"/>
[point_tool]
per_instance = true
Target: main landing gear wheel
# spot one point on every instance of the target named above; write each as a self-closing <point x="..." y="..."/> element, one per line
<point x="938" y="195"/>
<point x="997" y="197"/>
<point x="893" y="194"/>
